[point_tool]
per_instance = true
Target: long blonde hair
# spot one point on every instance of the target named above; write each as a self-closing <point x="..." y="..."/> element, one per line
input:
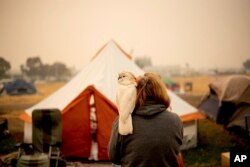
<point x="150" y="86"/>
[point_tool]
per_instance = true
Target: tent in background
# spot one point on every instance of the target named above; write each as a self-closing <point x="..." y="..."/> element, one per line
<point x="171" y="85"/>
<point x="229" y="101"/>
<point x="98" y="81"/>
<point x="19" y="87"/>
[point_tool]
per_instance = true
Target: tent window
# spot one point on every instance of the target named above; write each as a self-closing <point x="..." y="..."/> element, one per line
<point x="93" y="122"/>
<point x="93" y="126"/>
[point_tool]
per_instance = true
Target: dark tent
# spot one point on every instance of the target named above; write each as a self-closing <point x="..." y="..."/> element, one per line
<point x="228" y="102"/>
<point x="19" y="87"/>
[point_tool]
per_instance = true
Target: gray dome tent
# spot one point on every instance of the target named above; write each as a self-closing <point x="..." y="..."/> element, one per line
<point x="228" y="102"/>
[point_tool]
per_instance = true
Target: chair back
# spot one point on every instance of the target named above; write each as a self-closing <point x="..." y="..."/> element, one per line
<point x="46" y="129"/>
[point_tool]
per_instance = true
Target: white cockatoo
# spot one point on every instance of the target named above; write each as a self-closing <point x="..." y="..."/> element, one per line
<point x="126" y="99"/>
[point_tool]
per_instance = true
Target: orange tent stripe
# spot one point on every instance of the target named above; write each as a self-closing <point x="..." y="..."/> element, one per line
<point x="90" y="88"/>
<point x="125" y="53"/>
<point x="192" y="116"/>
<point x="105" y="98"/>
<point x="75" y="101"/>
<point x="24" y="116"/>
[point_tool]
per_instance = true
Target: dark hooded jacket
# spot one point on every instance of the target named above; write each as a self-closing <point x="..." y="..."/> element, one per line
<point x="155" y="142"/>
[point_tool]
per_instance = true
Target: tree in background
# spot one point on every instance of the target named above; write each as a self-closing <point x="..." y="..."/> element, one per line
<point x="46" y="71"/>
<point x="33" y="67"/>
<point x="143" y="61"/>
<point x="246" y="64"/>
<point x="4" y="68"/>
<point x="59" y="71"/>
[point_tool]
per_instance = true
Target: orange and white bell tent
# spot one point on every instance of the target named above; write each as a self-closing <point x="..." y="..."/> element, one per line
<point x="99" y="80"/>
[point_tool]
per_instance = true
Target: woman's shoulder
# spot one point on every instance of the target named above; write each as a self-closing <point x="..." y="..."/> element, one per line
<point x="172" y="115"/>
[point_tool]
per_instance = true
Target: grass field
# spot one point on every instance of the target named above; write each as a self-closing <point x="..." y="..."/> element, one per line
<point x="213" y="139"/>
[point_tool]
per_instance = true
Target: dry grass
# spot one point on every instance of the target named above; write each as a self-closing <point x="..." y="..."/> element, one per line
<point x="199" y="83"/>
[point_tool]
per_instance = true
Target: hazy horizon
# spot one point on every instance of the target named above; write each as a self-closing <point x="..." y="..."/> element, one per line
<point x="202" y="33"/>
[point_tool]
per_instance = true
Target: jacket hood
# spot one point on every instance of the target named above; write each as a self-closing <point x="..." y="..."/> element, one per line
<point x="150" y="108"/>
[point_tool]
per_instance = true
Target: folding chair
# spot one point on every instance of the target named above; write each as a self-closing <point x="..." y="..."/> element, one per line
<point x="46" y="139"/>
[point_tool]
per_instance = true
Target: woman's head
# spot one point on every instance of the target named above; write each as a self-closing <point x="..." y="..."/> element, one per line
<point x="150" y="86"/>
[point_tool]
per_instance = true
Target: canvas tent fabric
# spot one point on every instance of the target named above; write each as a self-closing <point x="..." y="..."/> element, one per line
<point x="238" y="118"/>
<point x="228" y="101"/>
<point x="97" y="79"/>
<point x="231" y="88"/>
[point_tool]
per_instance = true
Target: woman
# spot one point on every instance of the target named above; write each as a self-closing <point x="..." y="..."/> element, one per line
<point x="157" y="133"/>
